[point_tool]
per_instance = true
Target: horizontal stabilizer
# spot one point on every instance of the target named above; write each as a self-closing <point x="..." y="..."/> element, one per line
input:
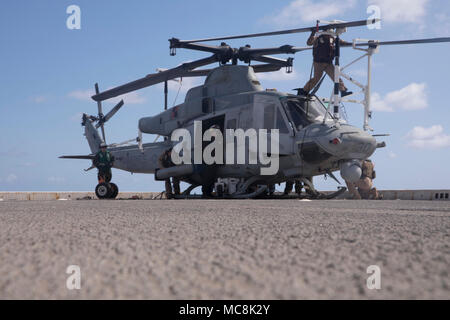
<point x="89" y="157"/>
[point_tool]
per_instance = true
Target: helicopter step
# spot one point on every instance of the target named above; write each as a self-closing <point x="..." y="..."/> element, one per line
<point x="309" y="196"/>
<point x="234" y="188"/>
<point x="106" y="190"/>
<point x="259" y="194"/>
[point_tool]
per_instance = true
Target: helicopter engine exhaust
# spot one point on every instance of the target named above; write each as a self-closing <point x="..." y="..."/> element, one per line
<point x="351" y="170"/>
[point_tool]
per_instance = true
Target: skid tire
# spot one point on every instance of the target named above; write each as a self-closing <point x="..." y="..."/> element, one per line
<point x="220" y="191"/>
<point x="103" y="191"/>
<point x="114" y="190"/>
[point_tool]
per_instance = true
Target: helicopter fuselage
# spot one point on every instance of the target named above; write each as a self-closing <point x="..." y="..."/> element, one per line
<point x="232" y="98"/>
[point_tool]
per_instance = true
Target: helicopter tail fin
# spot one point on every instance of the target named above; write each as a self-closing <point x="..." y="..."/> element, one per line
<point x="92" y="135"/>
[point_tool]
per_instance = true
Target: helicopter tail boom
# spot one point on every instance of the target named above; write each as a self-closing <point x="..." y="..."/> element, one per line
<point x="92" y="136"/>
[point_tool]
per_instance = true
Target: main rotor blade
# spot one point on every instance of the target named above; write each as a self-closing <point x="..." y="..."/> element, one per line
<point x="153" y="79"/>
<point x="273" y="61"/>
<point x="268" y="67"/>
<point x="274" y="33"/>
<point x="400" y="42"/>
<point x="286" y="49"/>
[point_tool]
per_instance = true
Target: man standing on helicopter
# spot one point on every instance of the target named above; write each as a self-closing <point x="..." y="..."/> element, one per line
<point x="323" y="54"/>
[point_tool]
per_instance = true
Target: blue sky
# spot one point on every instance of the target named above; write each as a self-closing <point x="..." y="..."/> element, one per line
<point x="48" y="72"/>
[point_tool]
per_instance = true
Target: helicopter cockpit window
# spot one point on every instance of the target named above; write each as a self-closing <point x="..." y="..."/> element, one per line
<point x="281" y="124"/>
<point x="305" y="112"/>
<point x="316" y="110"/>
<point x="298" y="115"/>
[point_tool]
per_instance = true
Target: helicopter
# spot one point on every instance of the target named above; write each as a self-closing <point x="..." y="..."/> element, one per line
<point x="308" y="136"/>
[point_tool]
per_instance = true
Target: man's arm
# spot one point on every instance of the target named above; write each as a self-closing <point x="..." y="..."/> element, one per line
<point x="341" y="42"/>
<point x="311" y="39"/>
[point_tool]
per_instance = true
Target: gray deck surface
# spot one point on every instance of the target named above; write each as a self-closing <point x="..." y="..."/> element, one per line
<point x="214" y="249"/>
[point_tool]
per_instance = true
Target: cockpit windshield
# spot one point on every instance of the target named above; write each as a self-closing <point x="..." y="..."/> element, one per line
<point x="305" y="111"/>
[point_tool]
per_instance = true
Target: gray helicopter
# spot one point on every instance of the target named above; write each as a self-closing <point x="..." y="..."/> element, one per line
<point x="304" y="135"/>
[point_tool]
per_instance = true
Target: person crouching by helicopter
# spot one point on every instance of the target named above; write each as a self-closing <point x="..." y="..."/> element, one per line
<point x="104" y="161"/>
<point x="323" y="54"/>
<point x="165" y="161"/>
<point x="363" y="188"/>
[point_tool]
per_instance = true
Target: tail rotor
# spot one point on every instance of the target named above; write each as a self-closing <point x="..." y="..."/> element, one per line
<point x="101" y="118"/>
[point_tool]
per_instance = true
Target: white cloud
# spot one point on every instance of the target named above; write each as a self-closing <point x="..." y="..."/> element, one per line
<point x="129" y="98"/>
<point x="432" y="137"/>
<point x="39" y="99"/>
<point x="82" y="94"/>
<point x="411" y="97"/>
<point x="378" y="104"/>
<point x="392" y="155"/>
<point x="11" y="178"/>
<point x="309" y="11"/>
<point x="401" y="10"/>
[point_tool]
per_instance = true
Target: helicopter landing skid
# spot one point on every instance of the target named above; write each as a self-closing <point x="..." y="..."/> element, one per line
<point x="260" y="190"/>
<point x="316" y="196"/>
<point x="257" y="195"/>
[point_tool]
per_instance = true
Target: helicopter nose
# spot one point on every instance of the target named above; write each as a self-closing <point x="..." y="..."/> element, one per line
<point x="348" y="142"/>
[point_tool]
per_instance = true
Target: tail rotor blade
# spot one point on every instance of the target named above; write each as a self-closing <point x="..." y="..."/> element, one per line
<point x="103" y="133"/>
<point x="113" y="111"/>
<point x="100" y="113"/>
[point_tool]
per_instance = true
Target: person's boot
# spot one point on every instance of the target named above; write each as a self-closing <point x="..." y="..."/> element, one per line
<point x="301" y="92"/>
<point x="169" y="195"/>
<point x="346" y="93"/>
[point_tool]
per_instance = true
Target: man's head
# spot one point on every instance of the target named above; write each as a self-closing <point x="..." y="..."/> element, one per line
<point x="329" y="31"/>
<point x="103" y="146"/>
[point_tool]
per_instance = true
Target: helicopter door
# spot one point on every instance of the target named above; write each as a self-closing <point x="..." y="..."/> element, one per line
<point x="216" y="123"/>
<point x="269" y="114"/>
